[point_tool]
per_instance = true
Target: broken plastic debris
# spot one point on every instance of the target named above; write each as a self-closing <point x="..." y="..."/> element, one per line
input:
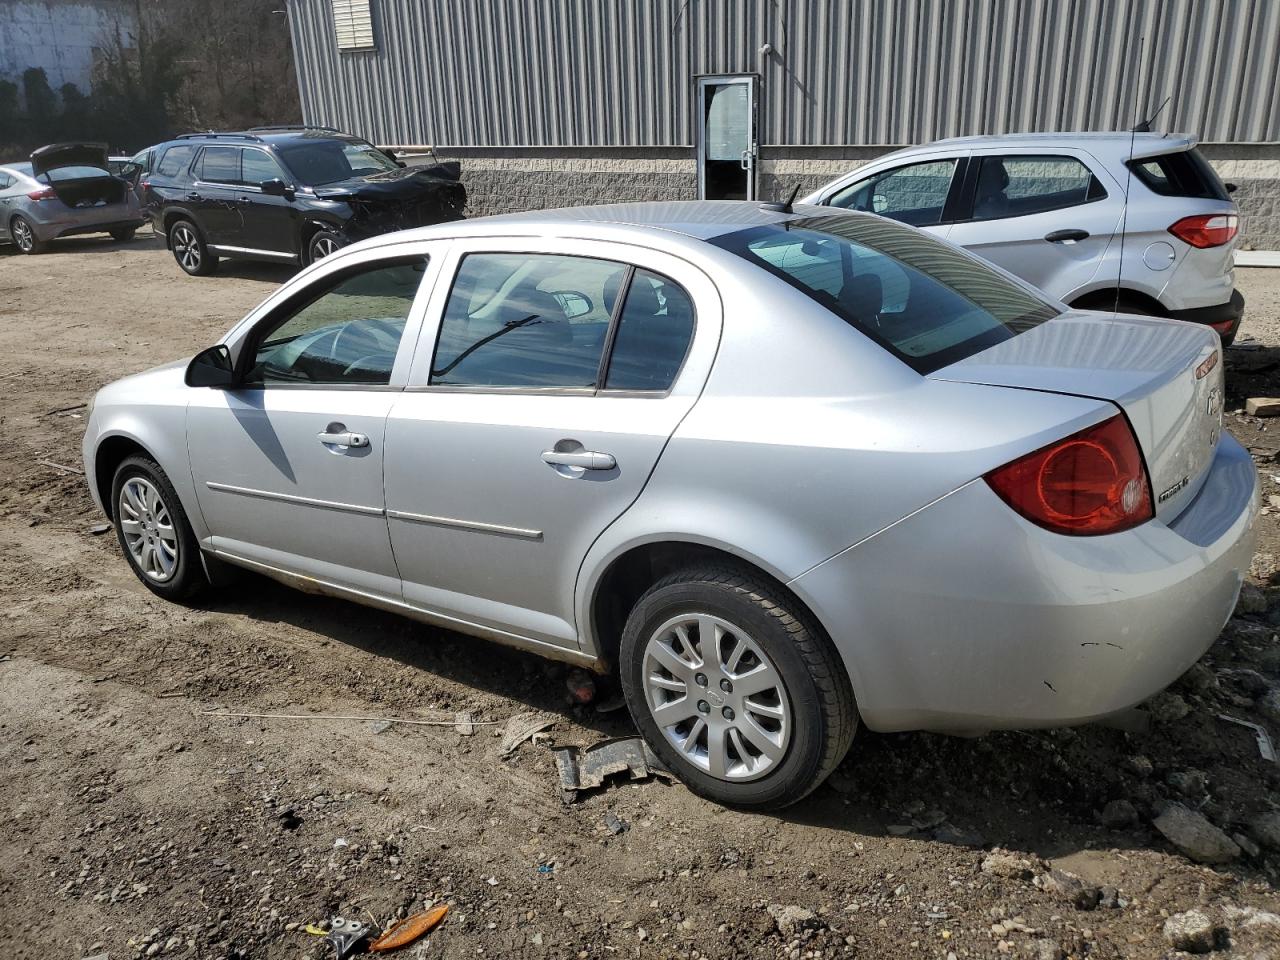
<point x="1265" y="747"/>
<point x="587" y="769"/>
<point x="521" y="727"/>
<point x="406" y="931"/>
<point x="581" y="686"/>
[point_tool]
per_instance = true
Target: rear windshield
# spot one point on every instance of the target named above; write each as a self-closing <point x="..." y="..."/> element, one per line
<point x="74" y="173"/>
<point x="926" y="302"/>
<point x="1182" y="174"/>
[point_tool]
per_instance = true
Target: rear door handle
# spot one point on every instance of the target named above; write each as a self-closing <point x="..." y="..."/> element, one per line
<point x="193" y="196"/>
<point x="1067" y="236"/>
<point x="583" y="459"/>
<point x="339" y="436"/>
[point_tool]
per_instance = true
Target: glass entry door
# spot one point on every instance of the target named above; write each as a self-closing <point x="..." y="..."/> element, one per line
<point x="726" y="119"/>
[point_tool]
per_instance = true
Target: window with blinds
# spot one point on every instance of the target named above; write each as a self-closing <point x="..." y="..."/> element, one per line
<point x="353" y="24"/>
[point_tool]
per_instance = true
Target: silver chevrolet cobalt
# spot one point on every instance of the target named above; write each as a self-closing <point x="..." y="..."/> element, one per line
<point x="785" y="470"/>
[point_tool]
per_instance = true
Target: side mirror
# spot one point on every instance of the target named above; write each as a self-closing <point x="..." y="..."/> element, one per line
<point x="275" y="187"/>
<point x="211" y="368"/>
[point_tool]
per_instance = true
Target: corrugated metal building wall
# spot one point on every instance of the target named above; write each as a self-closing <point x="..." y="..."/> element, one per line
<point x="843" y="72"/>
<point x="554" y="102"/>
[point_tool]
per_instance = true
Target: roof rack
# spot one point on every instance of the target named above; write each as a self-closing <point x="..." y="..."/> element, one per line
<point x="295" y="126"/>
<point x="213" y="133"/>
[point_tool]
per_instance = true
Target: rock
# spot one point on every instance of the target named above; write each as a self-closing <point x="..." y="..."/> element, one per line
<point x="1200" y="679"/>
<point x="1252" y="600"/>
<point x="1262" y="407"/>
<point x="1070" y="888"/>
<point x="1269" y="704"/>
<point x="1191" y="932"/>
<point x="1001" y="863"/>
<point x="1249" y="682"/>
<point x="1252" y="917"/>
<point x="955" y="836"/>
<point x="1263" y="567"/>
<point x="1046" y="950"/>
<point x="1167" y="708"/>
<point x="1189" y="783"/>
<point x="1195" y="836"/>
<point x="1139" y="765"/>
<point x="1265" y="828"/>
<point x="380" y="726"/>
<point x="791" y="920"/>
<point x="1118" y="813"/>
<point x="1250" y="848"/>
<point x="1110" y="899"/>
<point x="464" y="723"/>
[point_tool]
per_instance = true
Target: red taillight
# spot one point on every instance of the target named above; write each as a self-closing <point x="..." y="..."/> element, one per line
<point x="1207" y="230"/>
<point x="44" y="193"/>
<point x="1091" y="483"/>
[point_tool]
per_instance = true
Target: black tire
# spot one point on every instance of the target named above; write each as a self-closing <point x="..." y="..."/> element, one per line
<point x="322" y="243"/>
<point x="824" y="714"/>
<point x="189" y="249"/>
<point x="24" y="236"/>
<point x="124" y="234"/>
<point x="187" y="576"/>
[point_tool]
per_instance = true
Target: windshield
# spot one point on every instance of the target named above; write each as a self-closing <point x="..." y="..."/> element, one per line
<point x="319" y="162"/>
<point x="926" y="302"/>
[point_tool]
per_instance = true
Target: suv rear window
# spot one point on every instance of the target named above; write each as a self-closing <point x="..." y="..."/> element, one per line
<point x="1182" y="174"/>
<point x="924" y="301"/>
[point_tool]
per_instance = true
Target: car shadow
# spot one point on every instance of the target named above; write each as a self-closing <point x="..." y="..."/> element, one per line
<point x="1038" y="791"/>
<point x="254" y="270"/>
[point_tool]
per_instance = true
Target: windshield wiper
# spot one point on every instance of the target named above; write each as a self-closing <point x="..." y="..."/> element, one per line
<point x="506" y="328"/>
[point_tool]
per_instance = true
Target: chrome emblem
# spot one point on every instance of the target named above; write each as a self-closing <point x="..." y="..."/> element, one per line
<point x="1207" y="365"/>
<point x="1214" y="401"/>
<point x="1172" y="490"/>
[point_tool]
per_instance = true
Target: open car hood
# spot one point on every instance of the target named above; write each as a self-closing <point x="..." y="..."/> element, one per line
<point x="56" y="155"/>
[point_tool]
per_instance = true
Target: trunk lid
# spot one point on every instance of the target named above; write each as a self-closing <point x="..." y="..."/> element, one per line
<point x="1165" y="375"/>
<point x="55" y="155"/>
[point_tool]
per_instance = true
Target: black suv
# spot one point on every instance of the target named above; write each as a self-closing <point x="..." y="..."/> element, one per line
<point x="286" y="194"/>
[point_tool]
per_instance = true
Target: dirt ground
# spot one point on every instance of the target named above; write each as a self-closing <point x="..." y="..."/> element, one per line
<point x="134" y="824"/>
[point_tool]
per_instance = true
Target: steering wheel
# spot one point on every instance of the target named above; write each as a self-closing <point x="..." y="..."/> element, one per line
<point x="385" y="324"/>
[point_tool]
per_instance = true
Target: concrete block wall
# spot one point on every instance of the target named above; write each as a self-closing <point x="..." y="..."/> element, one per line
<point x="508" y="184"/>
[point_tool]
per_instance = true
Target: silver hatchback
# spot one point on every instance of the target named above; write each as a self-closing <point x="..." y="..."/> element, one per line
<point x="784" y="470"/>
<point x="1137" y="223"/>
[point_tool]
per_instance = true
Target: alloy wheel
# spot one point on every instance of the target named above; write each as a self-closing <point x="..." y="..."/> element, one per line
<point x="148" y="530"/>
<point x="321" y="247"/>
<point x="186" y="248"/>
<point x="717" y="697"/>
<point x="22" y="235"/>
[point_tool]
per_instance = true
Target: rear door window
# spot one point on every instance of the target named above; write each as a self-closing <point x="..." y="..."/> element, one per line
<point x="220" y="165"/>
<point x="1017" y="186"/>
<point x="914" y="194"/>
<point x="1182" y="174"/>
<point x="175" y="160"/>
<point x="653" y="335"/>
<point x="527" y="320"/>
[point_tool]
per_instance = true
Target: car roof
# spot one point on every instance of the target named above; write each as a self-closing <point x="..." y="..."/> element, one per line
<point x="660" y="221"/>
<point x="1105" y="144"/>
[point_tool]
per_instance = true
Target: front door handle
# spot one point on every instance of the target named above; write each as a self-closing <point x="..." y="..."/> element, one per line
<point x="338" y="435"/>
<point x="583" y="459"/>
<point x="193" y="196"/>
<point x="1067" y="236"/>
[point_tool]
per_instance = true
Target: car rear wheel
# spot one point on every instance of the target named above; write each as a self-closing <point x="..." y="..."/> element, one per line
<point x="124" y="234"/>
<point x="322" y="244"/>
<point x="189" y="249"/>
<point x="153" y="531"/>
<point x="24" y="236"/>
<point x="735" y="687"/>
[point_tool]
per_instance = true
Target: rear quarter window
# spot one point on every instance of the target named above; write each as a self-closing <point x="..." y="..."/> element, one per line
<point x="1182" y="174"/>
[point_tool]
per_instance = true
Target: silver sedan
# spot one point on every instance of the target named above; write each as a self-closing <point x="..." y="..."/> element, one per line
<point x="785" y="471"/>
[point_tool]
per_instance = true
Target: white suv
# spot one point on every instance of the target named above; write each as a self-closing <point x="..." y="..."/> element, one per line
<point x="1050" y="207"/>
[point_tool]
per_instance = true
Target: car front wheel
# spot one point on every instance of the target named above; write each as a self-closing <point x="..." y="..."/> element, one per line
<point x="322" y="244"/>
<point x="189" y="249"/>
<point x="153" y="531"/>
<point x="736" y="689"/>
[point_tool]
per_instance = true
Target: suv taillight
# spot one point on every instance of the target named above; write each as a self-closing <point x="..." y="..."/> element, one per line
<point x="1090" y="483"/>
<point x="44" y="193"/>
<point x="1206" y="230"/>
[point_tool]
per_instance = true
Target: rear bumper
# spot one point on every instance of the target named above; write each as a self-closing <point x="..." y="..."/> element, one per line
<point x="1223" y="317"/>
<point x="966" y="617"/>
<point x="53" y="223"/>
